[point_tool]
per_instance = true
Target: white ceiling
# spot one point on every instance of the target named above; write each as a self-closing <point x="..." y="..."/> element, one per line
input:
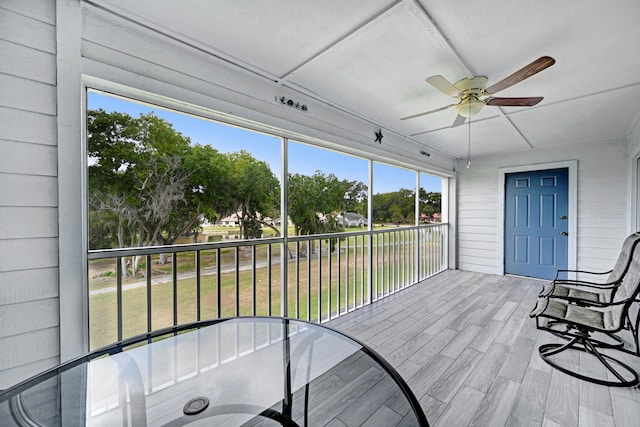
<point x="371" y="58"/>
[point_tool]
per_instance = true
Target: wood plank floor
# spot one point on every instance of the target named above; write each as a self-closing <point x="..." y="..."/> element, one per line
<point x="466" y="346"/>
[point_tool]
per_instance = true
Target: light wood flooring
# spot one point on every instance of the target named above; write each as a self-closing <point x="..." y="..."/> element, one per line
<point x="466" y="346"/>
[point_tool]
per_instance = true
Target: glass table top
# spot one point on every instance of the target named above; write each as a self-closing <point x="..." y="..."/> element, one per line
<point x="247" y="371"/>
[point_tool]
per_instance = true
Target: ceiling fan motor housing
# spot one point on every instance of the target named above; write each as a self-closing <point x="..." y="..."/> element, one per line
<point x="471" y="90"/>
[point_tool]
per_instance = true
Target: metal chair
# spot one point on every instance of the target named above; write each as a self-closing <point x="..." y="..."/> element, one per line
<point x="593" y="327"/>
<point x="576" y="291"/>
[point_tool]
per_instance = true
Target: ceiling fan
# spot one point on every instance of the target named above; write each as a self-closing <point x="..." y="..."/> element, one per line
<point x="473" y="94"/>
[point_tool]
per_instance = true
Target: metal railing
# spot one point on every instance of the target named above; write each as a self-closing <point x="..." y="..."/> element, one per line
<point x="317" y="278"/>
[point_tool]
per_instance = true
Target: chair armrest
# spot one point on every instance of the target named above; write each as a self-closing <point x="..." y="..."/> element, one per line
<point x="541" y="305"/>
<point x="580" y="283"/>
<point x="597" y="305"/>
<point x="597" y="273"/>
<point x="547" y="290"/>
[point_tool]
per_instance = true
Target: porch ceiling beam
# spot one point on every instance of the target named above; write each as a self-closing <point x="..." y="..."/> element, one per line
<point x="333" y="45"/>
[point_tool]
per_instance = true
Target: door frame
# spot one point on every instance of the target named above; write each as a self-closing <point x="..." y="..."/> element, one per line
<point x="572" y="166"/>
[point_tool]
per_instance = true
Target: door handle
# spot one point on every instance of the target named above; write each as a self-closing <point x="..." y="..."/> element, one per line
<point x="564" y="233"/>
<point x="563" y="217"/>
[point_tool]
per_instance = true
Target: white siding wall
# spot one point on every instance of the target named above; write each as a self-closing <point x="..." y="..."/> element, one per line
<point x="29" y="307"/>
<point x="602" y="204"/>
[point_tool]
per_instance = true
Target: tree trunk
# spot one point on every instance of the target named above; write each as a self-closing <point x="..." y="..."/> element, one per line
<point x="123" y="260"/>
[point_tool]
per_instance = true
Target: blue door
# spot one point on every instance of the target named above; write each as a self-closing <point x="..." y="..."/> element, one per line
<point x="536" y="223"/>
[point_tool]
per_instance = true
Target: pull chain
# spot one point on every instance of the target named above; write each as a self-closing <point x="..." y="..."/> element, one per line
<point x="469" y="141"/>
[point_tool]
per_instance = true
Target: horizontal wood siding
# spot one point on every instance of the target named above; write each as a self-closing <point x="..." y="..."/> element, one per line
<point x="477" y="218"/>
<point x="29" y="303"/>
<point x="603" y="190"/>
<point x="601" y="205"/>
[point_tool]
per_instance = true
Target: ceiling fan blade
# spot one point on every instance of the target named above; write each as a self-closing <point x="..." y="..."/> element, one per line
<point x="523" y="73"/>
<point x="459" y="120"/>
<point x="443" y="85"/>
<point x="514" y="102"/>
<point x="426" y="112"/>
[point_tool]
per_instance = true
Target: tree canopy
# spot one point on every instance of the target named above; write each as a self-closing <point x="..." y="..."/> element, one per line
<point x="149" y="184"/>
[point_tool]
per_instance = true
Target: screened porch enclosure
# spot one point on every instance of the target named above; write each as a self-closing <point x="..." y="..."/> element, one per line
<point x="356" y="85"/>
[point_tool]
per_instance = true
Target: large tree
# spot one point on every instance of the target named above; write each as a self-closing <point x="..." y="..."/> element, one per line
<point x="430" y="202"/>
<point x="256" y="193"/>
<point x="314" y="202"/>
<point x="147" y="183"/>
<point x="399" y="206"/>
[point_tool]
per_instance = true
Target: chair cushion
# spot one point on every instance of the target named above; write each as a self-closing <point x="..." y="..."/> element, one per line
<point x="565" y="291"/>
<point x="623" y="259"/>
<point x="579" y="315"/>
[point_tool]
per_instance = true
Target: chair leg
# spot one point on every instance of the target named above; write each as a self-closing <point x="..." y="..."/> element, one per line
<point x="626" y="376"/>
<point x="589" y="347"/>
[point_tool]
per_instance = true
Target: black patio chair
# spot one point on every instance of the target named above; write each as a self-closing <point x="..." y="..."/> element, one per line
<point x="593" y="327"/>
<point x="576" y="291"/>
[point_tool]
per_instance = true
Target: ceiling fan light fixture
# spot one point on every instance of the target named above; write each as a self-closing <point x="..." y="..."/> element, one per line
<point x="469" y="107"/>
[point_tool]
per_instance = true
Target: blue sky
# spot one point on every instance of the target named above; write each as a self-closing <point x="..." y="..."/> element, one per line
<point x="303" y="159"/>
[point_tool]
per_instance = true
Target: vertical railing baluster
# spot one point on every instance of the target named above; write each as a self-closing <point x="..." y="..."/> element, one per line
<point x="148" y="292"/>
<point x="309" y="280"/>
<point x="329" y="260"/>
<point x="355" y="272"/>
<point x="269" y="290"/>
<point x="382" y="266"/>
<point x="319" y="280"/>
<point x="425" y="252"/>
<point x="416" y="255"/>
<point x="435" y="251"/>
<point x="198" y="288"/>
<point x="395" y="261"/>
<point x="409" y="264"/>
<point x="253" y="280"/>
<point x="389" y="266"/>
<point x="362" y="272"/>
<point x="297" y="280"/>
<point x="339" y="277"/>
<point x="119" y="297"/>
<point x="429" y="250"/>
<point x="218" y="285"/>
<point x="402" y="257"/>
<point x="174" y="279"/>
<point x="444" y="247"/>
<point x="407" y="254"/>
<point x="237" y="280"/>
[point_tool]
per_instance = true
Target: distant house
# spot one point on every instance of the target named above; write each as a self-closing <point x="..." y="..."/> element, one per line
<point x="230" y="221"/>
<point x="352" y="219"/>
<point x="436" y="217"/>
